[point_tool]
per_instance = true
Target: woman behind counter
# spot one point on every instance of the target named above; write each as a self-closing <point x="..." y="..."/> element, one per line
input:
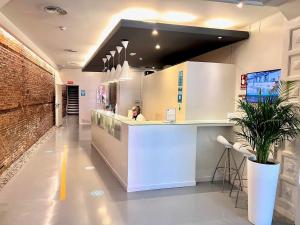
<point x="136" y="114"/>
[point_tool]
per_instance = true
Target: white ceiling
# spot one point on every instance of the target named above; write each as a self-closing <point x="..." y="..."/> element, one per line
<point x="88" y="22"/>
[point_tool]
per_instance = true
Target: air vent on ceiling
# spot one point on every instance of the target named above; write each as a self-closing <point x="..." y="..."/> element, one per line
<point x="55" y="10"/>
<point x="70" y="50"/>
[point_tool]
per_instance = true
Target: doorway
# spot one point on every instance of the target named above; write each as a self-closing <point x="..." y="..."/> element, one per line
<point x="58" y="105"/>
<point x="72" y="100"/>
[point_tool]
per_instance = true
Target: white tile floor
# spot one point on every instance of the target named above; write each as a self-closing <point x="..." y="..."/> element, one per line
<point x="94" y="196"/>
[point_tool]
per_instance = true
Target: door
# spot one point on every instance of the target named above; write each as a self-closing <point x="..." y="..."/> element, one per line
<point x="58" y="105"/>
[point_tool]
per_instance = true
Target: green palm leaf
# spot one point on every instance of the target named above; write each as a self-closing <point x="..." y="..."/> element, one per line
<point x="270" y="121"/>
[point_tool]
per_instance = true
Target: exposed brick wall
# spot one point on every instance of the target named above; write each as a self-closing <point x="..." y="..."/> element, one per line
<point x="26" y="101"/>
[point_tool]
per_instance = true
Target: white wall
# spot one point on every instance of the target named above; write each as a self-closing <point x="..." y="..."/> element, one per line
<point x="210" y="91"/>
<point x="160" y="91"/>
<point x="87" y="81"/>
<point x="262" y="51"/>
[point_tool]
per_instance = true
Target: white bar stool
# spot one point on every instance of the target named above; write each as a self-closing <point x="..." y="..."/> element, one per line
<point x="227" y="154"/>
<point x="241" y="169"/>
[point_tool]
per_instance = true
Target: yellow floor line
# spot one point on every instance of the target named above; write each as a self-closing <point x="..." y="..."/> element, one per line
<point x="63" y="175"/>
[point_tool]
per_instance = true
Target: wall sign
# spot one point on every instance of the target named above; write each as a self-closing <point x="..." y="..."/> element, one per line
<point x="243" y="82"/>
<point x="180" y="89"/>
<point x="82" y="92"/>
<point x="171" y="115"/>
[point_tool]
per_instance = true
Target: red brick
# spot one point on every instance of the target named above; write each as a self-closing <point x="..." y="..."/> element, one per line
<point x="26" y="102"/>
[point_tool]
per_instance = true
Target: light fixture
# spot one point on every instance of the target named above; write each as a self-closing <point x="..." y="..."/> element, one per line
<point x="220" y="37"/>
<point x="157" y="46"/>
<point x="240" y="4"/>
<point x="125" y="68"/>
<point x="154" y="32"/>
<point x="132" y="53"/>
<point x="119" y="67"/>
<point x="104" y="70"/>
<point x="108" y="70"/>
<point x="104" y="64"/>
<point x="140" y="58"/>
<point x="113" y="70"/>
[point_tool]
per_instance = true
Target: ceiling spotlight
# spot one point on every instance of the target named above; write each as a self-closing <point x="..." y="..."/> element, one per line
<point x="132" y="53"/>
<point x="140" y="58"/>
<point x="62" y="28"/>
<point x="220" y="37"/>
<point x="240" y="4"/>
<point x="154" y="32"/>
<point x="157" y="46"/>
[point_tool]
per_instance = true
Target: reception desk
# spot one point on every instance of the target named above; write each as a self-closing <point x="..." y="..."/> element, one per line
<point x="154" y="155"/>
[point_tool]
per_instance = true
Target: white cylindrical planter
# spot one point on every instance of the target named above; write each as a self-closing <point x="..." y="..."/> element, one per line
<point x="262" y="186"/>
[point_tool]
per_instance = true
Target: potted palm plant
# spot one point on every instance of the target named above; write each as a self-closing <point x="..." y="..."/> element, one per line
<point x="262" y="125"/>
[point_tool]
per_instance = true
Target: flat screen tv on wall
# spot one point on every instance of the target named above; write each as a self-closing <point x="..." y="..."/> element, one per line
<point x="261" y="85"/>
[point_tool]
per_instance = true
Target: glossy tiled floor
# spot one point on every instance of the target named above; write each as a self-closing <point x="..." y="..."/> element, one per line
<point x="94" y="196"/>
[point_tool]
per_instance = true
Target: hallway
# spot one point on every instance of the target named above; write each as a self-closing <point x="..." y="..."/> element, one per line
<point x="36" y="195"/>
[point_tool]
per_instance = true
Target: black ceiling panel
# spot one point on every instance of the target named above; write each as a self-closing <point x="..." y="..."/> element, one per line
<point x="178" y="44"/>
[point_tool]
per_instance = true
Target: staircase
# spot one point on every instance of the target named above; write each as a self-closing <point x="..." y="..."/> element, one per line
<point x="73" y="102"/>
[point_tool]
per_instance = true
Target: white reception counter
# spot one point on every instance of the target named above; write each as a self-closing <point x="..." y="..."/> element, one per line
<point x="154" y="155"/>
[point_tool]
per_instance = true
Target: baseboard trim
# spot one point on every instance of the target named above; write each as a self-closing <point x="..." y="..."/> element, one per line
<point x="81" y="123"/>
<point x="161" y="186"/>
<point x="208" y="178"/>
<point x="115" y="173"/>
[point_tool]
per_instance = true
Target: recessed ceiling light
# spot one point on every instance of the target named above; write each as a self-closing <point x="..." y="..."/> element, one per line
<point x="153" y="67"/>
<point x="132" y="53"/>
<point x="220" y="37"/>
<point x="240" y="4"/>
<point x="157" y="46"/>
<point x="140" y="58"/>
<point x="154" y="32"/>
<point x="62" y="28"/>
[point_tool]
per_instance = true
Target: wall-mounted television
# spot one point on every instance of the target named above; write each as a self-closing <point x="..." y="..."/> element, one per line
<point x="261" y="85"/>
